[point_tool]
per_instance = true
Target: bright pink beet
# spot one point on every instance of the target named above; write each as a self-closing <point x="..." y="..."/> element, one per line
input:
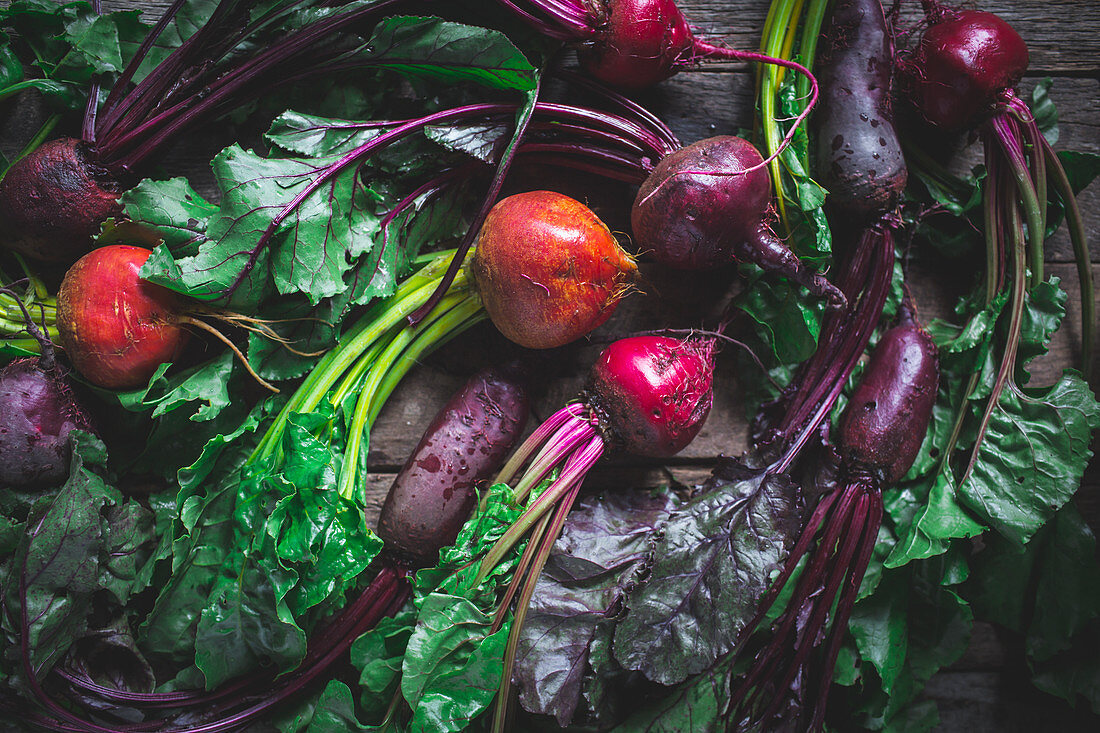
<point x="641" y="42"/>
<point x="652" y="394"/>
<point x="966" y="62"/>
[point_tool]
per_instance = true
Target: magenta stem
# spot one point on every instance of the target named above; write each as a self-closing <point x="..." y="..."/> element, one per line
<point x="710" y="51"/>
<point x="566" y="21"/>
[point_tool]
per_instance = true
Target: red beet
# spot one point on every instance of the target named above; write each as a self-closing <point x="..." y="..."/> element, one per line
<point x="652" y="394"/>
<point x="639" y="43"/>
<point x="54" y="201"/>
<point x="37" y="413"/>
<point x="465" y="443"/>
<point x="115" y="327"/>
<point x="965" y="64"/>
<point x="709" y="204"/>
<point x="547" y="269"/>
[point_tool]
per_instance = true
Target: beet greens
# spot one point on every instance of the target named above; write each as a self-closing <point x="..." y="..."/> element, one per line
<point x="241" y="52"/>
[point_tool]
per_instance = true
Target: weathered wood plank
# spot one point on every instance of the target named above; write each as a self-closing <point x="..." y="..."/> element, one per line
<point x="1061" y="34"/>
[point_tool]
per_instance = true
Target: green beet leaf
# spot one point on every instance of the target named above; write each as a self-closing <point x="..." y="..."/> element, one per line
<point x="379" y="654"/>
<point x="1032" y="457"/>
<point x="453" y="663"/>
<point x="449" y="52"/>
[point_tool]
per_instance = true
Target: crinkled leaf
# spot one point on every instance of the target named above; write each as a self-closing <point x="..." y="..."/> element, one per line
<point x="940" y="520"/>
<point x="86" y="538"/>
<point x="603" y="543"/>
<point x="1043" y="110"/>
<point x="1068" y="590"/>
<point x="1032" y="456"/>
<point x="172" y="210"/>
<point x="317" y="136"/>
<point x="878" y="625"/>
<point x="696" y="705"/>
<point x="243" y="626"/>
<point x="706" y="573"/>
<point x="477" y="141"/>
<point x="452" y="665"/>
<point x="204" y="386"/>
<point x="787" y="321"/>
<point x="378" y="654"/>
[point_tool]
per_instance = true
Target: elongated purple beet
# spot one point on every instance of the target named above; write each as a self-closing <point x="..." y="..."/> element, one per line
<point x="887" y="416"/>
<point x="709" y="204"/>
<point x="859" y="156"/>
<point x="879" y="434"/>
<point x="465" y="443"/>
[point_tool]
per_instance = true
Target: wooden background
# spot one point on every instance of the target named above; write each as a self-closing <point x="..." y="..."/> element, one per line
<point x="987" y="690"/>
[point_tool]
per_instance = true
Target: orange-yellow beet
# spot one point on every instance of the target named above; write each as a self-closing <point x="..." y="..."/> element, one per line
<point x="115" y="327"/>
<point x="548" y="270"/>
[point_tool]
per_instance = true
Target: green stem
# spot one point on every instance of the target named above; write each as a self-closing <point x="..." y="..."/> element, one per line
<point x="807" y="52"/>
<point x="772" y="46"/>
<point x="362" y="418"/>
<point x="465" y="316"/>
<point x="378" y="321"/>
<point x="39" y="137"/>
<point x="1012" y="341"/>
<point x="1080" y="253"/>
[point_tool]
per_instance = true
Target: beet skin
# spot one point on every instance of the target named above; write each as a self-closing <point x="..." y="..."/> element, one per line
<point x="465" y="444"/>
<point x="548" y="270"/>
<point x="652" y="394"/>
<point x="965" y="63"/>
<point x="883" y="426"/>
<point x="859" y="156"/>
<point x="37" y="413"/>
<point x="54" y="201"/>
<point x="709" y="204"/>
<point x="115" y="327"/>
<point x="640" y="43"/>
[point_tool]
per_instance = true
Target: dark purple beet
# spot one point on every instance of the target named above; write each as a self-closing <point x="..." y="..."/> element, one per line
<point x="640" y="43"/>
<point x="60" y="176"/>
<point x="859" y="156"/>
<point x="966" y="62"/>
<point x="37" y="413"/>
<point x="884" y="423"/>
<point x="465" y="444"/>
<point x="708" y="204"/>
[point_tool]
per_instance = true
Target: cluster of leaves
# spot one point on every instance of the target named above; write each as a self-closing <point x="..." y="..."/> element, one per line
<point x="436" y="665"/>
<point x="69" y="562"/>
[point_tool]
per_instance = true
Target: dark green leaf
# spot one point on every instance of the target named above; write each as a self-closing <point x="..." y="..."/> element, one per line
<point x="878" y="625"/>
<point x="453" y="664"/>
<point x="378" y="655"/>
<point x="449" y="52"/>
<point x="706" y="573"/>
<point x="1033" y="456"/>
<point x="1043" y="110"/>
